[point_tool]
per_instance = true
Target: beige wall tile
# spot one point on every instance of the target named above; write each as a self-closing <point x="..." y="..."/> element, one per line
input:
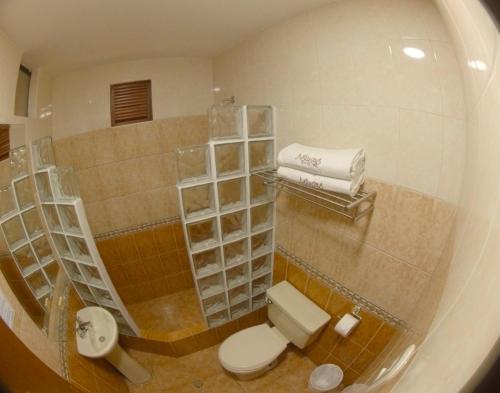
<point x="91" y="187"/>
<point x="420" y="151"/>
<point x="83" y="150"/>
<point x="63" y="151"/>
<point x="125" y="142"/>
<point x="97" y="217"/>
<point x="131" y="176"/>
<point x="117" y="212"/>
<point x="110" y="180"/>
<point x="148" y="138"/>
<point x="152" y="171"/>
<point x="104" y="145"/>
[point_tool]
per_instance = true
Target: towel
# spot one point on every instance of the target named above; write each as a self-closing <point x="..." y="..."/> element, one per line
<point x="321" y="182"/>
<point x="346" y="164"/>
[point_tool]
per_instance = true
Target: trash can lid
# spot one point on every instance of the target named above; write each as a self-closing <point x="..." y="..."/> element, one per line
<point x="326" y="377"/>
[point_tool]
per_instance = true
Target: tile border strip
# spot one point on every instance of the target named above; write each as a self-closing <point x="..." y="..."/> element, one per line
<point x="136" y="228"/>
<point x="63" y="333"/>
<point x="343" y="290"/>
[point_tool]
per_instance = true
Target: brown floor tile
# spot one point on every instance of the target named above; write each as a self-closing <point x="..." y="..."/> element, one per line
<point x="168" y="313"/>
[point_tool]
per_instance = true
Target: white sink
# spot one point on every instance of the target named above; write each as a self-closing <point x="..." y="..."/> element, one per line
<point x="101" y="336"/>
<point x="97" y="337"/>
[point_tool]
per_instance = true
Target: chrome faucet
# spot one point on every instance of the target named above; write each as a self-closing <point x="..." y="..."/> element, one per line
<point x="82" y="327"/>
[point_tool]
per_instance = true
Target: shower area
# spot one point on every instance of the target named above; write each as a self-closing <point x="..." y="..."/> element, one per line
<point x="206" y="257"/>
<point x="190" y="236"/>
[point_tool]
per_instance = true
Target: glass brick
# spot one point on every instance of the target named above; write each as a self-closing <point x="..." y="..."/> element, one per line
<point x="261" y="265"/>
<point x="14" y="232"/>
<point x="225" y="122"/>
<point x="25" y="259"/>
<point x="237" y="275"/>
<point x="211" y="285"/>
<point x="233" y="225"/>
<point x="193" y="163"/>
<point x="202" y="234"/>
<point x="69" y="219"/>
<point x="262" y="216"/>
<point x="7" y="202"/>
<point x="79" y="248"/>
<point x="259" y="190"/>
<point x="262" y="243"/>
<point x="236" y="252"/>
<point x="24" y="193"/>
<point x="42" y="250"/>
<point x="232" y="193"/>
<point x="207" y="262"/>
<point x="229" y="159"/>
<point x="259" y="121"/>
<point x="261" y="285"/>
<point x="238" y="294"/>
<point x="198" y="201"/>
<point x="214" y="304"/>
<point x="43" y="153"/>
<point x="52" y="218"/>
<point x="217" y="319"/>
<point x="261" y="155"/>
<point x="32" y="222"/>
<point x="239" y="310"/>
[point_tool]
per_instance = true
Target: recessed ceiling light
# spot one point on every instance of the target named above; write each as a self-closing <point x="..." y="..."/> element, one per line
<point x="477" y="65"/>
<point x="414" y="53"/>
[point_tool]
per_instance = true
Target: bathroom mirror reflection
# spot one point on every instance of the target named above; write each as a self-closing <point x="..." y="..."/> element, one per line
<point x="26" y="263"/>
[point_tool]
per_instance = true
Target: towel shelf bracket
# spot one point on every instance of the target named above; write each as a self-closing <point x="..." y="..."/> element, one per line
<point x="351" y="207"/>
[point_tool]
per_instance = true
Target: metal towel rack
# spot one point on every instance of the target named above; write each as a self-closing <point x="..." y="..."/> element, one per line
<point x="351" y="207"/>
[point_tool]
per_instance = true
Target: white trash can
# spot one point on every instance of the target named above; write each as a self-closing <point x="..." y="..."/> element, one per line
<point x="325" y="378"/>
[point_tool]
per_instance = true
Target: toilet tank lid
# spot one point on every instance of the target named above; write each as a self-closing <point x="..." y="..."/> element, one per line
<point x="298" y="307"/>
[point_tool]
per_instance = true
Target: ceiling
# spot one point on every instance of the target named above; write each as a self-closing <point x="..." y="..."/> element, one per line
<point x="60" y="35"/>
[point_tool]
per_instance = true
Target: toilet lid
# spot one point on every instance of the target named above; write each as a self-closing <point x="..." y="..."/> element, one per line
<point x="251" y="349"/>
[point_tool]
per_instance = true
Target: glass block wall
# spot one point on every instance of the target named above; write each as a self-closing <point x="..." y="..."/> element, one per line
<point x="23" y="231"/>
<point x="228" y="214"/>
<point x="44" y="223"/>
<point x="71" y="236"/>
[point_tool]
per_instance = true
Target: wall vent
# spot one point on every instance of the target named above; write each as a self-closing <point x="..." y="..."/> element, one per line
<point x="131" y="102"/>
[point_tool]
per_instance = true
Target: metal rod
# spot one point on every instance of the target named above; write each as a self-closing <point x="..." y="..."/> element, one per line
<point x="295" y="187"/>
<point x="329" y="194"/>
<point x="317" y="203"/>
<point x="343" y="205"/>
<point x="361" y="200"/>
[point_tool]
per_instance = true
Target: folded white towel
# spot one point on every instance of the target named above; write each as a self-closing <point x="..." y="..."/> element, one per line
<point x="346" y="164"/>
<point x="321" y="182"/>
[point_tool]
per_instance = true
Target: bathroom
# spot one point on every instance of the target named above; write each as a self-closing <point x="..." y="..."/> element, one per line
<point x="102" y="204"/>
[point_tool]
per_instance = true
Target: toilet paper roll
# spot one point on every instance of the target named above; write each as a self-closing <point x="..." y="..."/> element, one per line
<point x="345" y="326"/>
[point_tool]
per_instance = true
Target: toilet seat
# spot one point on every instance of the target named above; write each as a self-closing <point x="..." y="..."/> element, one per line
<point x="251" y="349"/>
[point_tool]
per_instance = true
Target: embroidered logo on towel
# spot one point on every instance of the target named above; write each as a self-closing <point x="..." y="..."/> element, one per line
<point x="313" y="184"/>
<point x="307" y="160"/>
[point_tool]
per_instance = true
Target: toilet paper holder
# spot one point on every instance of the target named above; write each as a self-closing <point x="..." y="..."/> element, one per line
<point x="355" y="312"/>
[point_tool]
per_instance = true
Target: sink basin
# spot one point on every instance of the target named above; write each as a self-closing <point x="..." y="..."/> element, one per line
<point x="100" y="340"/>
<point x="102" y="334"/>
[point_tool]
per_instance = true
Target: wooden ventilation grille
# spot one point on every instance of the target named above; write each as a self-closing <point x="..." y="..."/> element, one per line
<point x="131" y="102"/>
<point x="4" y="142"/>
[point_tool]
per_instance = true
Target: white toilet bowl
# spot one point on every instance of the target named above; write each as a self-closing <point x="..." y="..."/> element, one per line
<point x="252" y="351"/>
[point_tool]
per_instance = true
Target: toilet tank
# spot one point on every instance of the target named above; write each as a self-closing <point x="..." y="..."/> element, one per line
<point x="295" y="316"/>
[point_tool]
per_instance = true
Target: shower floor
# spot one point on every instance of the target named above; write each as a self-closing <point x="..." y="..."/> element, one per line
<point x="169" y="313"/>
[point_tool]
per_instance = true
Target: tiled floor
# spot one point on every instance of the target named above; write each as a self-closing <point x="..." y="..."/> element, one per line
<point x="178" y="375"/>
<point x="177" y="311"/>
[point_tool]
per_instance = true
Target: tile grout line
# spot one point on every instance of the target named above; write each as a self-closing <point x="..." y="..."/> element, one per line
<point x="136" y="228"/>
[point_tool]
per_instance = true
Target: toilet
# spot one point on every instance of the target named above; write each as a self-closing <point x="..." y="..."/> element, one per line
<point x="296" y="319"/>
